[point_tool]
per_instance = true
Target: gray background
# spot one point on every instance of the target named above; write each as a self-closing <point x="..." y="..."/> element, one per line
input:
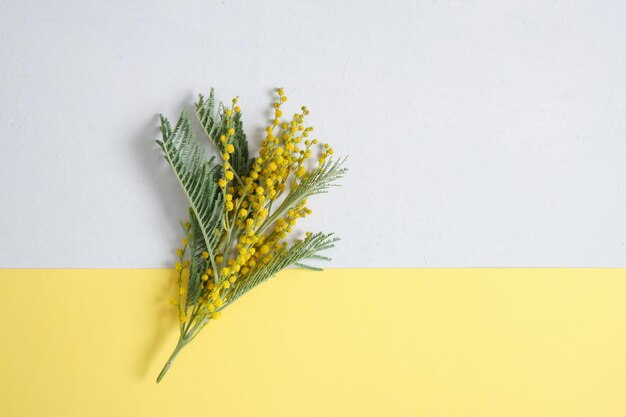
<point x="483" y="133"/>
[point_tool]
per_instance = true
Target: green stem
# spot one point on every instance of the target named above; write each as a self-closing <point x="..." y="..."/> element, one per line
<point x="181" y="343"/>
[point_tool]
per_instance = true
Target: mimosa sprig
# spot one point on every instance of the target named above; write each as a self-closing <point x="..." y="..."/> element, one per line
<point x="242" y="210"/>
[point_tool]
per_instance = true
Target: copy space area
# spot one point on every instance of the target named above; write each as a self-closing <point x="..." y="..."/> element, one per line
<point x="361" y="342"/>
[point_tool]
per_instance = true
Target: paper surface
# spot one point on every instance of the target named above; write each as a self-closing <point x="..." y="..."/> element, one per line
<point x="371" y="342"/>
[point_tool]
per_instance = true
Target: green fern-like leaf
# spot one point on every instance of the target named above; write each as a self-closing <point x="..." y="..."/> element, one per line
<point x="239" y="160"/>
<point x="318" y="182"/>
<point x="211" y="119"/>
<point x="308" y="248"/>
<point x="207" y="116"/>
<point x="197" y="176"/>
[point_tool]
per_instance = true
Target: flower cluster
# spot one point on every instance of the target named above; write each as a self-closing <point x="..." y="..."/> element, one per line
<point x="239" y="238"/>
<point x="251" y="237"/>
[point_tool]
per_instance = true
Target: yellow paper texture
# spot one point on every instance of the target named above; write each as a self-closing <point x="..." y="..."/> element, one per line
<point x="343" y="342"/>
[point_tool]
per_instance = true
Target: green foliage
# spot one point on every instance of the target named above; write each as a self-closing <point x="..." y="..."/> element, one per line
<point x="299" y="251"/>
<point x="211" y="120"/>
<point x="197" y="176"/>
<point x="319" y="182"/>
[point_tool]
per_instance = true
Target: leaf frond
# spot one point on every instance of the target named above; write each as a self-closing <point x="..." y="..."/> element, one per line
<point x="307" y="248"/>
<point x="197" y="176"/>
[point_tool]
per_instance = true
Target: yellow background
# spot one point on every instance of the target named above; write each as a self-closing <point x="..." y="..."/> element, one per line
<point x="343" y="342"/>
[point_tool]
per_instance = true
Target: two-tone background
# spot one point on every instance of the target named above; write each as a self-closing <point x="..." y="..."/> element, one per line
<point x="481" y="134"/>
